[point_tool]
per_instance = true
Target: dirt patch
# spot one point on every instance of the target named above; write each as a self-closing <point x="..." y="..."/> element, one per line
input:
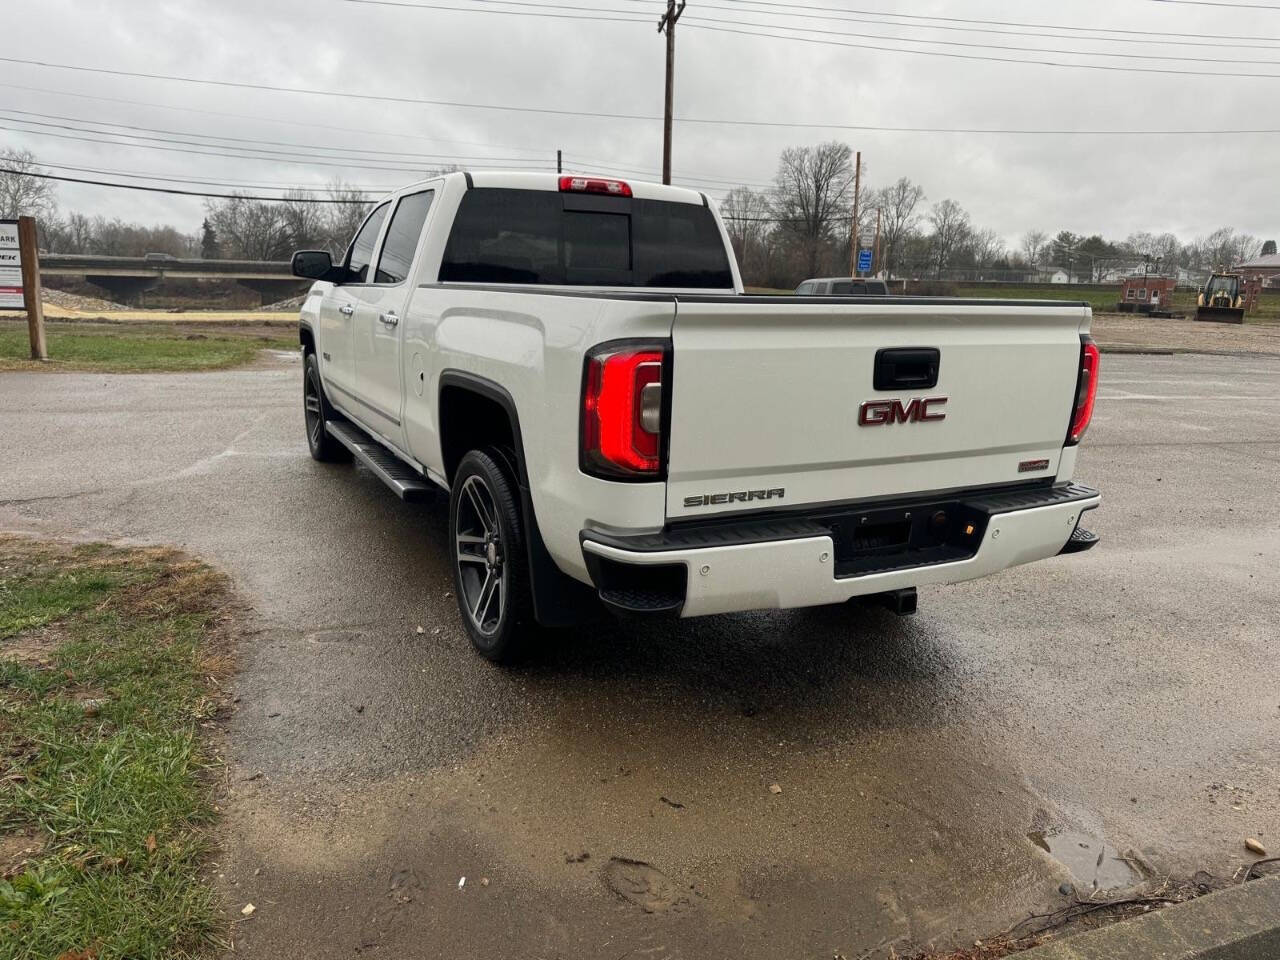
<point x="33" y="648"/>
<point x="184" y="587"/>
<point x="1139" y="333"/>
<point x="15" y="850"/>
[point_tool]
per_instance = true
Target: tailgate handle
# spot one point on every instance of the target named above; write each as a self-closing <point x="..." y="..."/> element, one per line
<point x="907" y="368"/>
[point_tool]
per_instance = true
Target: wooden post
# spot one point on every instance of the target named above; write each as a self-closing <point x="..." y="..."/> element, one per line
<point x="31" y="287"/>
<point x="875" y="247"/>
<point x="853" y="233"/>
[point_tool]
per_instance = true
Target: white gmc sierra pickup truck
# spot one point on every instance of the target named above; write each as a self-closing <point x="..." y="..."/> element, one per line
<point x="574" y="360"/>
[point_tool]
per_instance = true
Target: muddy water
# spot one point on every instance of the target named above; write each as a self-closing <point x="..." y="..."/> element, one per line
<point x="1094" y="864"/>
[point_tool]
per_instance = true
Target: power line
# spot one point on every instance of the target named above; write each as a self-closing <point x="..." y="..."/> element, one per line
<point x="823" y="125"/>
<point x="356" y="161"/>
<point x="708" y="24"/>
<point x="351" y="164"/>
<point x="339" y="94"/>
<point x="989" y="59"/>
<point x="839" y="15"/>
<point x="512" y="13"/>
<point x="1217" y="3"/>
<point x="630" y="117"/>
<point x="787" y="10"/>
<point x="253" y="143"/>
<point x="271" y="120"/>
<point x="171" y="190"/>
<point x="718" y="24"/>
<point x="999" y="23"/>
<point x="375" y="191"/>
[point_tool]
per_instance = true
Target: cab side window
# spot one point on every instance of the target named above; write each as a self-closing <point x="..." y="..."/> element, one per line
<point x="402" y="238"/>
<point x="361" y="250"/>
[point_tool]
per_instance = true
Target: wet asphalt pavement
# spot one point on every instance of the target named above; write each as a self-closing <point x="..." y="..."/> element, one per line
<point x="613" y="797"/>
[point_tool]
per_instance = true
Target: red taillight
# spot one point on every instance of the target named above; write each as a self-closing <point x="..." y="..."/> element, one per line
<point x="613" y="188"/>
<point x="1086" y="391"/>
<point x="622" y="399"/>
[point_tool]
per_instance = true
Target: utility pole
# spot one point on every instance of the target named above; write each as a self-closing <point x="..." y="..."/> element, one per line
<point x="667" y="25"/>
<point x="853" y="232"/>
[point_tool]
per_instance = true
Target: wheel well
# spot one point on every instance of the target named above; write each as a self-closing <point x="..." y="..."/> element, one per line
<point x="307" y="339"/>
<point x="469" y="420"/>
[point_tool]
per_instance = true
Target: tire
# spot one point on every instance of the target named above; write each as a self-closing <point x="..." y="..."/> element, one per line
<point x="316" y="411"/>
<point x="490" y="566"/>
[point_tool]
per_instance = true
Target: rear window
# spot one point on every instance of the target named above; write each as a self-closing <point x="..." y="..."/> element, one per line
<point x="859" y="288"/>
<point x="545" y="237"/>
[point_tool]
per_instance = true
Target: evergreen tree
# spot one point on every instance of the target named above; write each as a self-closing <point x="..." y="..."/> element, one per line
<point x="209" y="247"/>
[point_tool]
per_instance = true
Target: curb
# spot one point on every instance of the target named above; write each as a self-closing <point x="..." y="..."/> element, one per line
<point x="1241" y="923"/>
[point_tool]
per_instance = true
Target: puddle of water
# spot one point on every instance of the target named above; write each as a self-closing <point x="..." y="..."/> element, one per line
<point x="1094" y="864"/>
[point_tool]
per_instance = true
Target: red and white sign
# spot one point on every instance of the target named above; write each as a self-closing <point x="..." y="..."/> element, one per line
<point x="11" y="297"/>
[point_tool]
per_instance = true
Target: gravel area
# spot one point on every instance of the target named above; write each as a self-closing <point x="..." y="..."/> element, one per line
<point x="71" y="301"/>
<point x="293" y="304"/>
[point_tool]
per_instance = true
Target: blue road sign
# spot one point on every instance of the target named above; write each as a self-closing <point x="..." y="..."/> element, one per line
<point x="864" y="260"/>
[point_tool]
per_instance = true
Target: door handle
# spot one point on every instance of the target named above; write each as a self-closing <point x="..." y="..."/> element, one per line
<point x="346" y="309"/>
<point x="389" y="318"/>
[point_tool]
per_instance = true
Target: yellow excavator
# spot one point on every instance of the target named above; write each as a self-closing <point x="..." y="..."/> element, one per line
<point x="1222" y="299"/>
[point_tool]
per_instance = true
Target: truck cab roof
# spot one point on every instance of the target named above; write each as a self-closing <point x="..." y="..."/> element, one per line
<point x="523" y="180"/>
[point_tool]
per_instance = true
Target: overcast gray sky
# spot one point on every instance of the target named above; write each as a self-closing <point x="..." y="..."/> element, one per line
<point x="543" y="54"/>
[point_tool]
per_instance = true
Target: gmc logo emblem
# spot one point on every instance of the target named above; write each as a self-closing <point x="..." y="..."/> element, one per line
<point x="874" y="413"/>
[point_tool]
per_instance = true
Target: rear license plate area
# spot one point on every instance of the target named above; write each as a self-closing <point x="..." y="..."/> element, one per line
<point x="879" y="540"/>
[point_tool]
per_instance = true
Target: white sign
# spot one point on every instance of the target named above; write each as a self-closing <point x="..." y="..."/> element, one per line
<point x="10" y="267"/>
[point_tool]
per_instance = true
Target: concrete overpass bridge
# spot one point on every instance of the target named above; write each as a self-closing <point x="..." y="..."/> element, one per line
<point x="127" y="277"/>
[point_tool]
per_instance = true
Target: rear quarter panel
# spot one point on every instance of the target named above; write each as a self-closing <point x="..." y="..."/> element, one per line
<point x="531" y="345"/>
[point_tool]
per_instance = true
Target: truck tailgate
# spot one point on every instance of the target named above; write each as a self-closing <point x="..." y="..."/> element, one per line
<point x="766" y="400"/>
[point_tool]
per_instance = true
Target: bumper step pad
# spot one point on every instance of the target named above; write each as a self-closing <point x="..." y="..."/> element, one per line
<point x="1080" y="541"/>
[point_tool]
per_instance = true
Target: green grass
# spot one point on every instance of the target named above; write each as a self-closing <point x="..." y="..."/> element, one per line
<point x="1104" y="301"/>
<point x="105" y="659"/>
<point x="119" y="348"/>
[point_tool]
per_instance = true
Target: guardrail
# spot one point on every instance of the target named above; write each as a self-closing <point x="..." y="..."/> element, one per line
<point x="80" y="265"/>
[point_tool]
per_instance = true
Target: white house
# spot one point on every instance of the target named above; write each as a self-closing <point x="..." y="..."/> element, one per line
<point x="1051" y="274"/>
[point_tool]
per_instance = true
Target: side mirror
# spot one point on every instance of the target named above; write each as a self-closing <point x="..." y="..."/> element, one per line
<point x="316" y="265"/>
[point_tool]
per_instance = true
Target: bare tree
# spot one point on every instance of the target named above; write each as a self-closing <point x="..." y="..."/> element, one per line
<point x="249" y="229"/>
<point x="811" y="196"/>
<point x="899" y="220"/>
<point x="951" y="230"/>
<point x="747" y="221"/>
<point x="987" y="247"/>
<point x="343" y="218"/>
<point x="1033" y="246"/>
<point x="22" y="192"/>
<point x="304" y="222"/>
<point x="1223" y="248"/>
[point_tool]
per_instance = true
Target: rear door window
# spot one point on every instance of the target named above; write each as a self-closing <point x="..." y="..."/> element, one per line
<point x="361" y="250"/>
<point x="546" y="237"/>
<point x="402" y="238"/>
